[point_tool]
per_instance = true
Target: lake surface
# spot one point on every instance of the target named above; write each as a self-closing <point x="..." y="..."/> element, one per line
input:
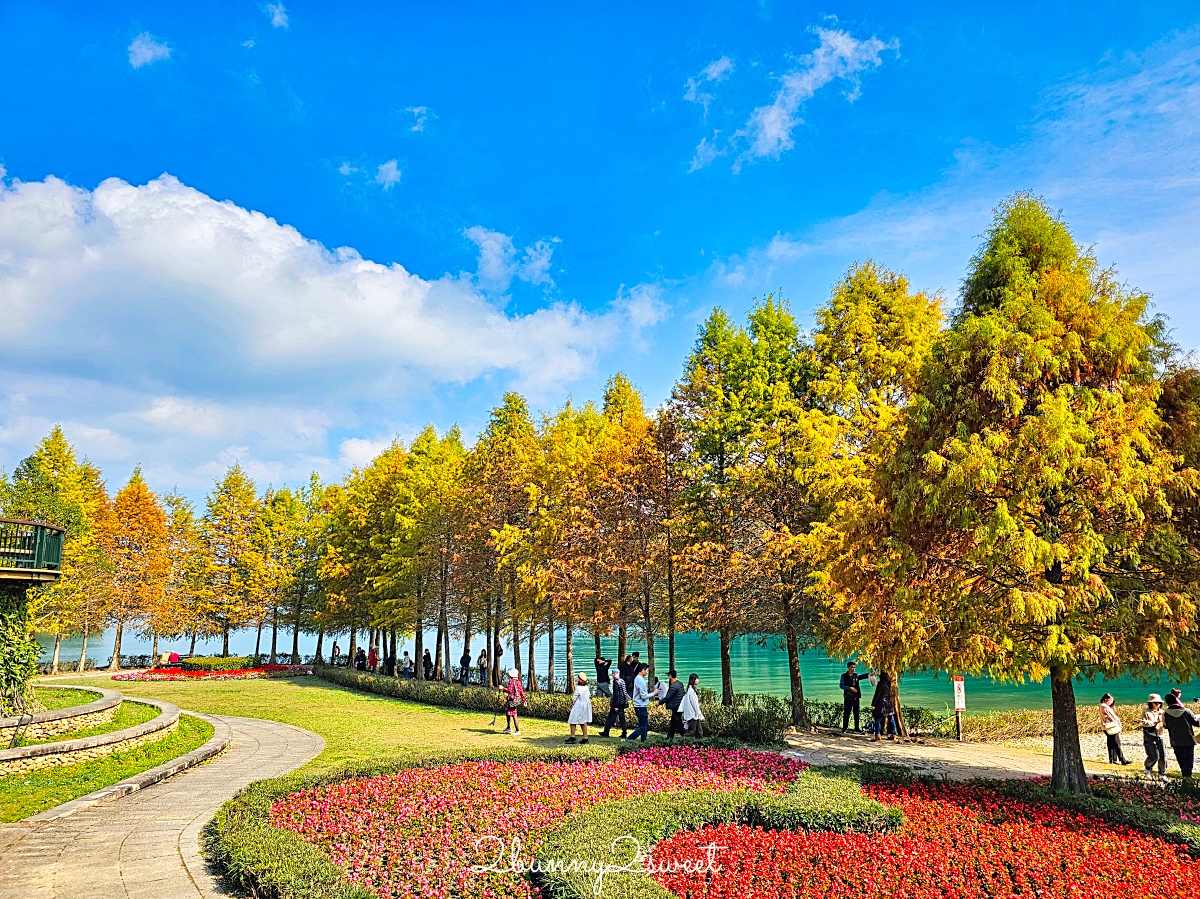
<point x="756" y="668"/>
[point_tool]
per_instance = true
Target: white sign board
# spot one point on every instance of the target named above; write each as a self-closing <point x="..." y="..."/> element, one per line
<point x="960" y="694"/>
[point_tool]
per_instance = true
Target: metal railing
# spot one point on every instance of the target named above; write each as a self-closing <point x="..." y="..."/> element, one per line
<point x="30" y="550"/>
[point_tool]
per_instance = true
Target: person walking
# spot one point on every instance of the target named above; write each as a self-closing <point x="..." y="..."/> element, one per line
<point x="1179" y="722"/>
<point x="514" y="698"/>
<point x="635" y="665"/>
<point x="464" y="668"/>
<point x="373" y="660"/>
<point x="882" y="710"/>
<point x="427" y="665"/>
<point x="616" y="708"/>
<point x="406" y="666"/>
<point x="851" y="696"/>
<point x="672" y="697"/>
<point x="603" y="677"/>
<point x="360" y="660"/>
<point x="689" y="708"/>
<point x="641" y="704"/>
<point x="483" y="667"/>
<point x="1110" y="721"/>
<point x="581" y="709"/>
<point x="1152" y="739"/>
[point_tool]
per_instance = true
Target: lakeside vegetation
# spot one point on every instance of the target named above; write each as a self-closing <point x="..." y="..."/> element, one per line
<point x="1008" y="488"/>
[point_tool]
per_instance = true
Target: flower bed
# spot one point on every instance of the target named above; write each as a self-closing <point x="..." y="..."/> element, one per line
<point x="957" y="841"/>
<point x="419" y="832"/>
<point x="158" y="674"/>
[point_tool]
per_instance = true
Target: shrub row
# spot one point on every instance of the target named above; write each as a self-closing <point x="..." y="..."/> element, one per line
<point x="591" y="854"/>
<point x="217" y="663"/>
<point x="753" y="718"/>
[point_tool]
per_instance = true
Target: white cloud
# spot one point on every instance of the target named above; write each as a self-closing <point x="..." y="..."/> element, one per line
<point x="706" y="151"/>
<point x="248" y="44"/>
<point x="839" y="57"/>
<point x="499" y="263"/>
<point x="356" y="452"/>
<point x="145" y="49"/>
<point x="388" y="174"/>
<point x="346" y="169"/>
<point x="279" y="16"/>
<point x="197" y="419"/>
<point x="420" y="114"/>
<point x="713" y="73"/>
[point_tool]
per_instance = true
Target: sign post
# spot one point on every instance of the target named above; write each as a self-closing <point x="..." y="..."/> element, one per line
<point x="960" y="704"/>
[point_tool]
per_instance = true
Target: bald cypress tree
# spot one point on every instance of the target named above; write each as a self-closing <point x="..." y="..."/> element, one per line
<point x="1033" y="487"/>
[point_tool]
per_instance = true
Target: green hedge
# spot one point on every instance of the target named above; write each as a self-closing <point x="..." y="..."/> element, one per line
<point x="217" y="663"/>
<point x="597" y="840"/>
<point x="753" y="718"/>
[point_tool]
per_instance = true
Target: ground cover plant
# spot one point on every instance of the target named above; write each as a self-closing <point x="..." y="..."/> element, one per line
<point x="421" y="832"/>
<point x="956" y="841"/>
<point x="22" y="795"/>
<point x="173" y="673"/>
<point x="217" y="663"/>
<point x="128" y="714"/>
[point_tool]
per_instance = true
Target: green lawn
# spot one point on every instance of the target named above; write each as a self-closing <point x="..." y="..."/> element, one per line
<point x="355" y="725"/>
<point x="129" y="714"/>
<point x="53" y="700"/>
<point x="22" y="795"/>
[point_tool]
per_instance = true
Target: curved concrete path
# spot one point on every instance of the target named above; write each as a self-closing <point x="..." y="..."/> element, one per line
<point x="146" y="845"/>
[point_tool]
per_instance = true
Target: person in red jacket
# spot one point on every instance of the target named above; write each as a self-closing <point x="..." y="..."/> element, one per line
<point x="514" y="698"/>
<point x="373" y="660"/>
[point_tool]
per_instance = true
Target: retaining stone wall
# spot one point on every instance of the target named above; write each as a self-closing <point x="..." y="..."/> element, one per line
<point x="50" y="724"/>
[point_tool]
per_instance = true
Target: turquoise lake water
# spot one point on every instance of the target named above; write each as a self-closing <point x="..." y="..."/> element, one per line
<point x="756" y="668"/>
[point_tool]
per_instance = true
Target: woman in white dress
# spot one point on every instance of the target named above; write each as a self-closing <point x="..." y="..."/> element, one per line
<point x="689" y="708"/>
<point x="581" y="709"/>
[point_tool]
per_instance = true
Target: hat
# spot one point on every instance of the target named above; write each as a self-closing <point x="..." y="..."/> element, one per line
<point x="1154" y="697"/>
<point x="582" y="678"/>
<point x="513" y="672"/>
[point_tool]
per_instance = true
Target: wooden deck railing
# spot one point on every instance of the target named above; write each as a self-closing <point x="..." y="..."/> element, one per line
<point x="30" y="550"/>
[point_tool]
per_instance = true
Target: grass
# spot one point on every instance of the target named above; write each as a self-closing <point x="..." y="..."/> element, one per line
<point x="128" y="714"/>
<point x="356" y="726"/>
<point x="22" y="795"/>
<point x="53" y="700"/>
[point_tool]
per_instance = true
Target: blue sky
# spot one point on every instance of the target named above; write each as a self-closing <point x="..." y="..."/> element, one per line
<point x="284" y="233"/>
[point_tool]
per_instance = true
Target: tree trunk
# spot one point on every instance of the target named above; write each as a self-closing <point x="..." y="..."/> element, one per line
<point x="570" y="627"/>
<point x="670" y="604"/>
<point x="419" y="636"/>
<point x="726" y="670"/>
<point x="274" y="634"/>
<point x="192" y="648"/>
<point x="497" y="623"/>
<point x="115" y="663"/>
<point x="54" y="658"/>
<point x="446" y="648"/>
<point x="799" y="710"/>
<point x="257" y="641"/>
<point x="516" y="634"/>
<point x="531" y="683"/>
<point x="437" y="652"/>
<point x="622" y="642"/>
<point x="350" y="650"/>
<point x="1067" y="773"/>
<point x="392" y="653"/>
<point x="82" y="652"/>
<point x="296" y="628"/>
<point x="317" y="656"/>
<point x="550" y="644"/>
<point x="225" y="639"/>
<point x="153" y="651"/>
<point x="467" y="645"/>
<point x="894" y="682"/>
<point x="649" y="628"/>
<point x="596" y="639"/>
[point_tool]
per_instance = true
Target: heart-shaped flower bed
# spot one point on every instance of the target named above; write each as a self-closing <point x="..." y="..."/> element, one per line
<point x="957" y="842"/>
<point x="472" y="829"/>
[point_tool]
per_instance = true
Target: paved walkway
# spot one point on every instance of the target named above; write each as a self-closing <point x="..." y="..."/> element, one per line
<point x="146" y="845"/>
<point x="938" y="758"/>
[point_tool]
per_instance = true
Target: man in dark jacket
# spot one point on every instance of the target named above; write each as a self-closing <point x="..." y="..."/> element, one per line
<point x="674" y="696"/>
<point x="631" y="672"/>
<point x="1178" y="722"/>
<point x="603" y="678"/>
<point x="616" y="708"/>
<point x="851" y="696"/>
